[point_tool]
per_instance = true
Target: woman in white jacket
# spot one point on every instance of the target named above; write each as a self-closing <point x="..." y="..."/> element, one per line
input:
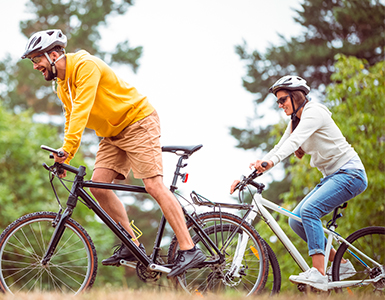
<point x="313" y="131"/>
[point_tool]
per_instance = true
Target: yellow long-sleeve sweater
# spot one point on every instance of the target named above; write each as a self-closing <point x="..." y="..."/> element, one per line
<point x="96" y="98"/>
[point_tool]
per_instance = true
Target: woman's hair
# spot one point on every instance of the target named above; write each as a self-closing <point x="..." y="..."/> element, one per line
<point x="299" y="98"/>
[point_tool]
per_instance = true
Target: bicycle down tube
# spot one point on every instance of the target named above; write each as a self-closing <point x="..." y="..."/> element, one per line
<point x="118" y="230"/>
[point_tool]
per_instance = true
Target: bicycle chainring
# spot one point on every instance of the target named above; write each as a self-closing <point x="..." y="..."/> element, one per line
<point x="379" y="285"/>
<point x="146" y="275"/>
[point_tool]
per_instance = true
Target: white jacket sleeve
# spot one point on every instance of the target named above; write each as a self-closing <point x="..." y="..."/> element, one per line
<point x="311" y="120"/>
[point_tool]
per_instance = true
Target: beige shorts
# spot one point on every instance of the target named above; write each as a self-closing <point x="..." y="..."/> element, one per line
<point x="137" y="147"/>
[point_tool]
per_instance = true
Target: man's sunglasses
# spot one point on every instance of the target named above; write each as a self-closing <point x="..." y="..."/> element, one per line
<point x="282" y="100"/>
<point x="36" y="59"/>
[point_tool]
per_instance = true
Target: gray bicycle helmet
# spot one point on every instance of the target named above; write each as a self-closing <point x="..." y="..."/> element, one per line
<point x="291" y="83"/>
<point x="43" y="41"/>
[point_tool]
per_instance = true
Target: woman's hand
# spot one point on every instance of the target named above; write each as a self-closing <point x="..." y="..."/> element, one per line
<point x="258" y="165"/>
<point x="232" y="188"/>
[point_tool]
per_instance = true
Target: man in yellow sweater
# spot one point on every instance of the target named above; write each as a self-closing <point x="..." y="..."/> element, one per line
<point x="95" y="97"/>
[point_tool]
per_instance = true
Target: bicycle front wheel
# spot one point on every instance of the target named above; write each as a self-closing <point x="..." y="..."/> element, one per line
<point x="23" y="244"/>
<point x="245" y="268"/>
<point x="371" y="241"/>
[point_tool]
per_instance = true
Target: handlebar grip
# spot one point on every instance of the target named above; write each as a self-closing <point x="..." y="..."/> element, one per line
<point x="58" y="153"/>
<point x="264" y="164"/>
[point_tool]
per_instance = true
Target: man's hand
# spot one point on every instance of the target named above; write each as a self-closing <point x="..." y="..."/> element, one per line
<point x="60" y="160"/>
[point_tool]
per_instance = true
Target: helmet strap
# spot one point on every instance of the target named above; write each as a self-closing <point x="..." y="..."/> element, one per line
<point x="53" y="63"/>
<point x="294" y="119"/>
<point x="54" y="71"/>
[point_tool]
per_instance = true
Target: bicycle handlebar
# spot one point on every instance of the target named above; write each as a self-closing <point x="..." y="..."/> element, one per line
<point x="249" y="180"/>
<point x="57" y="165"/>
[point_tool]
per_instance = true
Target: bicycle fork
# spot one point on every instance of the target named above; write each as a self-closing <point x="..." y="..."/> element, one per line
<point x="235" y="269"/>
<point x="56" y="236"/>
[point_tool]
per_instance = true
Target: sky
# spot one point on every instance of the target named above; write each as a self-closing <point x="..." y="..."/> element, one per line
<point x="191" y="74"/>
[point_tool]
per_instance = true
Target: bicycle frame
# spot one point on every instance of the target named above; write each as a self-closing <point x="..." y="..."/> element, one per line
<point x="261" y="205"/>
<point x="77" y="190"/>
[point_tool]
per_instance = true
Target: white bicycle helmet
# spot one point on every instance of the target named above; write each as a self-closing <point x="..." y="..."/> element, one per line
<point x="291" y="83"/>
<point x="43" y="41"/>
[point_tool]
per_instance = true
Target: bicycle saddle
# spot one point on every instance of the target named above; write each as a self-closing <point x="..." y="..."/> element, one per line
<point x="187" y="150"/>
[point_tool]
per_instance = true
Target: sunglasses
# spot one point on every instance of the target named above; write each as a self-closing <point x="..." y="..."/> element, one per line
<point x="282" y="100"/>
<point x="36" y="59"/>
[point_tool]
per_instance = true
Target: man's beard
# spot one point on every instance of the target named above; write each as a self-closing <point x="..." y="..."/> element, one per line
<point x="50" y="76"/>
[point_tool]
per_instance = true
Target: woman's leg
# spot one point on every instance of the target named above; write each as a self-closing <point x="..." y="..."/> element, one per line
<point x="333" y="191"/>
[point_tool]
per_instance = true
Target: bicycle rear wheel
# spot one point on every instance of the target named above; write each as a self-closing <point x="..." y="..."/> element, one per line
<point x="226" y="231"/>
<point x="371" y="241"/>
<point x="71" y="269"/>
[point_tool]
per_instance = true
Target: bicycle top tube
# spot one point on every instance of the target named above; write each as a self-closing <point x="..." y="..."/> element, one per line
<point x="178" y="150"/>
<point x="183" y="151"/>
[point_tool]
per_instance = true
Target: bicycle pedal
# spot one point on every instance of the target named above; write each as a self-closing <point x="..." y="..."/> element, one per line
<point x="130" y="264"/>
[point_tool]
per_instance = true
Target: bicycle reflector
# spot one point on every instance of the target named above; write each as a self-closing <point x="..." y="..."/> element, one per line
<point x="185" y="177"/>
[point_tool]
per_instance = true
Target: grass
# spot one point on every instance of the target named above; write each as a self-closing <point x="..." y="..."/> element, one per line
<point x="107" y="294"/>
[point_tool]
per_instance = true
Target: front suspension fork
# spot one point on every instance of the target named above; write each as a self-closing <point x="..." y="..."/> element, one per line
<point x="56" y="236"/>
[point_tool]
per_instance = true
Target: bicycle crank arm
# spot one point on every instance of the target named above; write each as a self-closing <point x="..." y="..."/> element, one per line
<point x="152" y="267"/>
<point x="159" y="268"/>
<point x="129" y="264"/>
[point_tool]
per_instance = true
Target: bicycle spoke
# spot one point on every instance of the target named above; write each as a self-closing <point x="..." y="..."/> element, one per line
<point x="72" y="268"/>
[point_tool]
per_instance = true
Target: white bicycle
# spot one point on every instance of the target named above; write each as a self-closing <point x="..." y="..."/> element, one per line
<point x="365" y="248"/>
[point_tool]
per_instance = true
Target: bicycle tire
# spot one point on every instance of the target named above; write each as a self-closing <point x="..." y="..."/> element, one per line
<point x="218" y="278"/>
<point x="72" y="268"/>
<point x="273" y="283"/>
<point x="371" y="241"/>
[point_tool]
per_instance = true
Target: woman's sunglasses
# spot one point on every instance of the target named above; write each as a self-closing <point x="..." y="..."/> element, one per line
<point x="282" y="100"/>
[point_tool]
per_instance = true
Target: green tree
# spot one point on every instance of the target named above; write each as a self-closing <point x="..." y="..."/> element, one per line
<point x="356" y="97"/>
<point x="22" y="88"/>
<point x="25" y="185"/>
<point x="351" y="27"/>
<point x="25" y="95"/>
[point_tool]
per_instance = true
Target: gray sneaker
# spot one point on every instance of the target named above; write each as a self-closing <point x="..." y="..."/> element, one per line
<point x="346" y="271"/>
<point x="185" y="260"/>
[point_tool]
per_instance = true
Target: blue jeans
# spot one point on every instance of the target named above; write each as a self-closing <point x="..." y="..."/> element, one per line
<point x="331" y="192"/>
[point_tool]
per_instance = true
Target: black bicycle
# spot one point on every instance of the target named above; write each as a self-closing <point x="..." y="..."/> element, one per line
<point x="49" y="251"/>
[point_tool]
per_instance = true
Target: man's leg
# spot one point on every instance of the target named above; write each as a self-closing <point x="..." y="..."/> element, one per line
<point x="171" y="210"/>
<point x="188" y="255"/>
<point x="109" y="201"/>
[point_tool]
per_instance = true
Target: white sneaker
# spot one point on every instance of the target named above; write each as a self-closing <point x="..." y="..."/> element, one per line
<point x="346" y="271"/>
<point x="313" y="278"/>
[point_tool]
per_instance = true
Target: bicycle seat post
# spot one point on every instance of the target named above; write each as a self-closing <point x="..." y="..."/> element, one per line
<point x="179" y="165"/>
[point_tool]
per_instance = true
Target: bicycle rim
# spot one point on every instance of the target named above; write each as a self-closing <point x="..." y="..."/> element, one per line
<point x="371" y="241"/>
<point x="221" y="278"/>
<point x="71" y="269"/>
